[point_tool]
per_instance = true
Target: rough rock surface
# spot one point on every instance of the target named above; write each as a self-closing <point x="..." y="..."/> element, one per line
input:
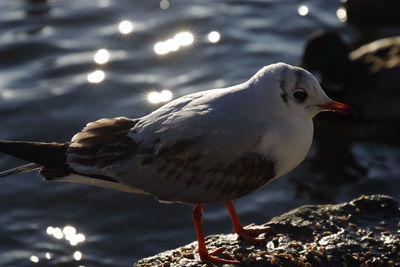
<point x="363" y="232"/>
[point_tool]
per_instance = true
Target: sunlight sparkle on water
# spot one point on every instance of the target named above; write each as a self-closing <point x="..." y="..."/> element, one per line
<point x="75" y="239"/>
<point x="34" y="259"/>
<point x="184" y="38"/>
<point x="341" y="13"/>
<point x="69" y="230"/>
<point x="102" y="56"/>
<point x="58" y="234"/>
<point x="302" y="10"/>
<point x="214" y="37"/>
<point x="173" y="44"/>
<point x="71" y="236"/>
<point x="156" y="97"/>
<point x="164" y="4"/>
<point x="161" y="48"/>
<point x="47" y="256"/>
<point x="50" y="230"/>
<point x="125" y="27"/>
<point x="69" y="233"/>
<point x="96" y="76"/>
<point x="77" y="255"/>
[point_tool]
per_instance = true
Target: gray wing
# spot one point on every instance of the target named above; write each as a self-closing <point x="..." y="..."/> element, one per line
<point x="182" y="152"/>
<point x="198" y="156"/>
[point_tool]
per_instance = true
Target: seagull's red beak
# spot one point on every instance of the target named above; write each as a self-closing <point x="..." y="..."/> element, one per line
<point x="338" y="107"/>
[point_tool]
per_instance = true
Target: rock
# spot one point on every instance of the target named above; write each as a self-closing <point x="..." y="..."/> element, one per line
<point x="363" y="232"/>
<point x="366" y="78"/>
<point x="372" y="13"/>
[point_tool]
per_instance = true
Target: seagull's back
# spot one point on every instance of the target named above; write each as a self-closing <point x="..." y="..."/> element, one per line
<point x="205" y="147"/>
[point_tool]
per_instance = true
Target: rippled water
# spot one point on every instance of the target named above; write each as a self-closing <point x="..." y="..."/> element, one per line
<point x="47" y="51"/>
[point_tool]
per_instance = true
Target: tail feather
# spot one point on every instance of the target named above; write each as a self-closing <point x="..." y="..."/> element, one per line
<point x="21" y="169"/>
<point x="45" y="154"/>
<point x="50" y="158"/>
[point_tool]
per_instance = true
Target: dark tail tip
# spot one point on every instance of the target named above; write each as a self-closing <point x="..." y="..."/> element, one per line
<point x="45" y="154"/>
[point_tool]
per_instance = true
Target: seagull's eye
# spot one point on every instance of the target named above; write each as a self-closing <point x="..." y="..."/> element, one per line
<point x="300" y="95"/>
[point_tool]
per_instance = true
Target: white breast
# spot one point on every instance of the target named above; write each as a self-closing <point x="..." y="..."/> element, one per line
<point x="288" y="144"/>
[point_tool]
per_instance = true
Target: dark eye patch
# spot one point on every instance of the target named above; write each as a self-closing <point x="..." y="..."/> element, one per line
<point x="300" y="95"/>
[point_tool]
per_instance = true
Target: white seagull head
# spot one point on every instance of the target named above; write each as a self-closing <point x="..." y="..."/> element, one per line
<point x="294" y="90"/>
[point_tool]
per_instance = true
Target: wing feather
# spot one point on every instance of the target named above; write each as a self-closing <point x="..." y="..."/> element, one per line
<point x="187" y="151"/>
<point x="101" y="144"/>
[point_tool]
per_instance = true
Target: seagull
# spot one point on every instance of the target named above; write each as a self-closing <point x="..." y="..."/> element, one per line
<point x="212" y="146"/>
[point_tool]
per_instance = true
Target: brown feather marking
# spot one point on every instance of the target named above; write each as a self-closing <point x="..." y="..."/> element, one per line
<point x="103" y="142"/>
<point x="249" y="172"/>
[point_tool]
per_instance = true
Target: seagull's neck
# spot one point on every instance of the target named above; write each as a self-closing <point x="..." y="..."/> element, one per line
<point x="288" y="142"/>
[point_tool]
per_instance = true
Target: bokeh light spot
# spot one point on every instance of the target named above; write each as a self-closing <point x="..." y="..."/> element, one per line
<point x="50" y="230"/>
<point x="184" y="38"/>
<point x="341" y="13"/>
<point x="161" y="48"/>
<point x="58" y="234"/>
<point x="166" y="95"/>
<point x="125" y="27"/>
<point x="164" y="4"/>
<point x="34" y="259"/>
<point x="102" y="56"/>
<point x="302" y="10"/>
<point x="214" y="37"/>
<point x="96" y="76"/>
<point x="77" y="255"/>
<point x="156" y="97"/>
<point x="172" y="45"/>
<point x="69" y="230"/>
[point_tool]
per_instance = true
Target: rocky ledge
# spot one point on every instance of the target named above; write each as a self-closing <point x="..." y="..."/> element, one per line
<point x="362" y="232"/>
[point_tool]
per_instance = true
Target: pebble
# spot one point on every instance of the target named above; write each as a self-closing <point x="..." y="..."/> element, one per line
<point x="329" y="258"/>
<point x="352" y="225"/>
<point x="317" y="259"/>
<point x="326" y="233"/>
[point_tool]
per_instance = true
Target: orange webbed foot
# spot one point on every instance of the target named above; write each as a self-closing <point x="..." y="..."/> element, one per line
<point x="212" y="259"/>
<point x="248" y="233"/>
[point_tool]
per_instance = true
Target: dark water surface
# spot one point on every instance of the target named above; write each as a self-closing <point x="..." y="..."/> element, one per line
<point x="46" y="55"/>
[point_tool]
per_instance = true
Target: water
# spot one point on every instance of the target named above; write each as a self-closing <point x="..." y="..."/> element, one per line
<point x="46" y="54"/>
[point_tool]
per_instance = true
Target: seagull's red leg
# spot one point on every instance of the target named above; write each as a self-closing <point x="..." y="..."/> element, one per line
<point x="208" y="258"/>
<point x="238" y="228"/>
